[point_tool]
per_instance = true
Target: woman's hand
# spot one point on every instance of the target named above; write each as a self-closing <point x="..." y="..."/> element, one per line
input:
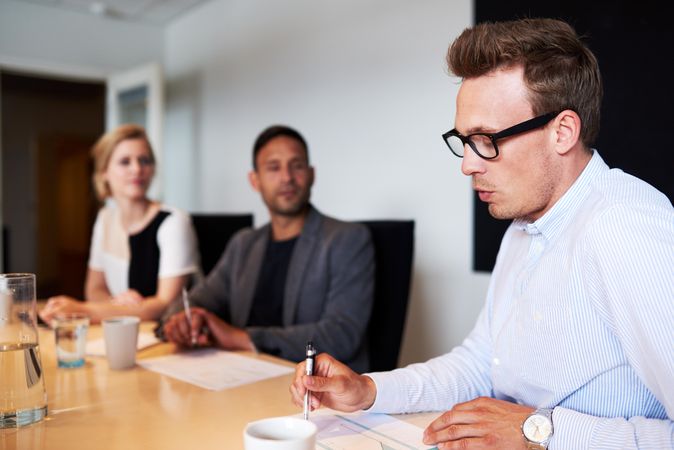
<point x="60" y="305"/>
<point x="128" y="298"/>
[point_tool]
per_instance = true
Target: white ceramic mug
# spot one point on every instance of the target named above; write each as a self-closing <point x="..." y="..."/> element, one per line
<point x="121" y="340"/>
<point x="280" y="433"/>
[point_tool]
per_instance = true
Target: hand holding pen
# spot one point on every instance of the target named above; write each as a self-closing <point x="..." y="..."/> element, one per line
<point x="333" y="385"/>
<point x="188" y="315"/>
<point x="309" y="370"/>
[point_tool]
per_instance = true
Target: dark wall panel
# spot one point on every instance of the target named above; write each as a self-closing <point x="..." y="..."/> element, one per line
<point x="634" y="43"/>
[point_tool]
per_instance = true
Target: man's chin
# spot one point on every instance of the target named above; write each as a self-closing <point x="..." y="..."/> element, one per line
<point x="499" y="213"/>
<point x="290" y="210"/>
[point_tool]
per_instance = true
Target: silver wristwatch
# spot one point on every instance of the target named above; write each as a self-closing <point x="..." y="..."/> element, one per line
<point x="537" y="429"/>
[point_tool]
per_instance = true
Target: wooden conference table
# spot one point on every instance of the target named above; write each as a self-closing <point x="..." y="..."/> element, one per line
<point x="93" y="407"/>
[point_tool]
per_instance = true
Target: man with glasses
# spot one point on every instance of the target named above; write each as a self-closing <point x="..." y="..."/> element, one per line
<point x="574" y="347"/>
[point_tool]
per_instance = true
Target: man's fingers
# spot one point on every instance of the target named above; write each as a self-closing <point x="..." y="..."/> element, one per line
<point x="298" y="381"/>
<point x="462" y="444"/>
<point x="316" y="400"/>
<point x="479" y="402"/>
<point x="198" y="322"/>
<point x="324" y="384"/>
<point x="177" y="329"/>
<point x="294" y="395"/>
<point x="183" y="328"/>
<point x="452" y="417"/>
<point x="453" y="432"/>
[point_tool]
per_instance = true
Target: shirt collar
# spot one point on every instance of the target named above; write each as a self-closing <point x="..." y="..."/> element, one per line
<point x="554" y="221"/>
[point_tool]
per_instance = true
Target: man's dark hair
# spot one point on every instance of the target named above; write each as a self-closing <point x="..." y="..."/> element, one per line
<point x="275" y="131"/>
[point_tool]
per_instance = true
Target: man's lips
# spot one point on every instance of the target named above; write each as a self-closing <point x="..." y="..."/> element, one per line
<point x="288" y="193"/>
<point x="485" y="196"/>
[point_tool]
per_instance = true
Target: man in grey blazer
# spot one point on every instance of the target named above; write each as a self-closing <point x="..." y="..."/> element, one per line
<point x="303" y="276"/>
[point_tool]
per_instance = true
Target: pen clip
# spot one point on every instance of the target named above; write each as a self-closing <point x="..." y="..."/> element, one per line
<point x="310" y="358"/>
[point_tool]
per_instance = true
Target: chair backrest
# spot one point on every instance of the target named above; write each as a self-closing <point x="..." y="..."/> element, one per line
<point x="394" y="248"/>
<point x="214" y="232"/>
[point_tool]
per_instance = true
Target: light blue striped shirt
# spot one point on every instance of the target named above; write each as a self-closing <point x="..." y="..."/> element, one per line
<point x="579" y="317"/>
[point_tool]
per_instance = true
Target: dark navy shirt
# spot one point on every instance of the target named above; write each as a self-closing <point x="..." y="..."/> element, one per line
<point x="267" y="308"/>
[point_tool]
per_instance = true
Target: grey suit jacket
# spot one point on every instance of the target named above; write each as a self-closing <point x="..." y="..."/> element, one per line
<point x="328" y="294"/>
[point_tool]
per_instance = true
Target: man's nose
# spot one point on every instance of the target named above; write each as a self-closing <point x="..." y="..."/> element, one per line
<point x="286" y="173"/>
<point x="471" y="162"/>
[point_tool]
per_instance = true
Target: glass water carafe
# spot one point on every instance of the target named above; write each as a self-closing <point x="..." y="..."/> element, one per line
<point x="23" y="398"/>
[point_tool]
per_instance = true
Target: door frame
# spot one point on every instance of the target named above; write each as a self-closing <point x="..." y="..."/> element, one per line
<point x="149" y="76"/>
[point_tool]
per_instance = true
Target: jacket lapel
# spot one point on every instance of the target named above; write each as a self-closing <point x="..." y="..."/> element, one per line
<point x="243" y="302"/>
<point x="299" y="262"/>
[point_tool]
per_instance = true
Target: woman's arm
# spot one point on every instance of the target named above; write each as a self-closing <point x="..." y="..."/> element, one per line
<point x="149" y="309"/>
<point x="95" y="287"/>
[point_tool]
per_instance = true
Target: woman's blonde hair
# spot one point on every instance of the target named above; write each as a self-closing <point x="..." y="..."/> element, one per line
<point x="103" y="149"/>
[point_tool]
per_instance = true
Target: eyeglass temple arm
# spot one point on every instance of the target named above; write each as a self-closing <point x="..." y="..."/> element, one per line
<point x="527" y="125"/>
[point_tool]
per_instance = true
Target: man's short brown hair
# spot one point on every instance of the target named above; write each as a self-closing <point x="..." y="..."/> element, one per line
<point x="560" y="71"/>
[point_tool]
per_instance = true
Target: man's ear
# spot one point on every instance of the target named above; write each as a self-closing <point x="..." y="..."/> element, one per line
<point x="567" y="131"/>
<point x="312" y="175"/>
<point x="253" y="179"/>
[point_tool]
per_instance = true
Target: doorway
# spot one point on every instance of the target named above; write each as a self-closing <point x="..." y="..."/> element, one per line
<point x="48" y="208"/>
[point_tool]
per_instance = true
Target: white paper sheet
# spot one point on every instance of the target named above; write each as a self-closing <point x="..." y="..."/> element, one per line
<point x="364" y="431"/>
<point x="96" y="347"/>
<point x="214" y="369"/>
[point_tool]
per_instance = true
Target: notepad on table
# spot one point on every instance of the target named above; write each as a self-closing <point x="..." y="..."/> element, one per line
<point x="214" y="369"/>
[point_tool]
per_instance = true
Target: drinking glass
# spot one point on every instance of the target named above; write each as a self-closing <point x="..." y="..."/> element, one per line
<point x="70" y="336"/>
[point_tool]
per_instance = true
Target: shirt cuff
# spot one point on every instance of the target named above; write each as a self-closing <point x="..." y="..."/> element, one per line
<point x="385" y="400"/>
<point x="571" y="429"/>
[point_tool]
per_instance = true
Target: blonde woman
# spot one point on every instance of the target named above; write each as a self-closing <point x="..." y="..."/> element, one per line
<point x="142" y="252"/>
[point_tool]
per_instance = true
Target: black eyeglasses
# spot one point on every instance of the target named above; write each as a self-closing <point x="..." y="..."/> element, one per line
<point x="484" y="144"/>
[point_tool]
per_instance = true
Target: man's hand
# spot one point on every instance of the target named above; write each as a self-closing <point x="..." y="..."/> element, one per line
<point x="222" y="334"/>
<point x="208" y="330"/>
<point x="480" y="423"/>
<point x="333" y="385"/>
<point x="177" y="329"/>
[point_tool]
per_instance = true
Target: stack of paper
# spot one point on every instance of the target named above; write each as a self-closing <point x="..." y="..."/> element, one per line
<point x="363" y="431"/>
<point x="214" y="369"/>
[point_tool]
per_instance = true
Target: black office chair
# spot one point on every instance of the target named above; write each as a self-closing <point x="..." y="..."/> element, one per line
<point x="394" y="248"/>
<point x="214" y="232"/>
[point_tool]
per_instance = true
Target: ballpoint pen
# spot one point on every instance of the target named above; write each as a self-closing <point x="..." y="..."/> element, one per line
<point x="188" y="314"/>
<point x="309" y="370"/>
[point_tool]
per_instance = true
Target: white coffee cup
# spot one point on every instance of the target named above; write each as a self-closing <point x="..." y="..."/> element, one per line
<point x="121" y="340"/>
<point x="280" y="433"/>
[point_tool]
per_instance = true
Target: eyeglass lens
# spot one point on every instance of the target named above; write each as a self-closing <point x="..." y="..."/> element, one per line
<point x="480" y="143"/>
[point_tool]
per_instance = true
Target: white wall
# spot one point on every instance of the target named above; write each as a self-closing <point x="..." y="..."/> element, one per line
<point x="55" y="42"/>
<point x="366" y="83"/>
<point x="62" y="42"/>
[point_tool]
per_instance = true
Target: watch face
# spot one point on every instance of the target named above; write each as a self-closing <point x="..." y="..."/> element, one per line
<point x="537" y="428"/>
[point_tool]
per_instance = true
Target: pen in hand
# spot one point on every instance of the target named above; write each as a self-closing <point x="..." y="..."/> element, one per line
<point x="309" y="370"/>
<point x="188" y="314"/>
